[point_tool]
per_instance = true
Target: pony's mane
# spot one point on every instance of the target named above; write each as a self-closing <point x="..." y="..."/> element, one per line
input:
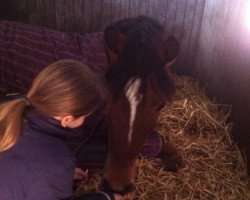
<point x="144" y="36"/>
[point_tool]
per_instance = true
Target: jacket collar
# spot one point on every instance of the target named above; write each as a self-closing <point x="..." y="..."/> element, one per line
<point x="46" y="124"/>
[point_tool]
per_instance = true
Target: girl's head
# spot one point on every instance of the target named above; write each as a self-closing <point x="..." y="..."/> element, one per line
<point x="65" y="87"/>
<point x="66" y="90"/>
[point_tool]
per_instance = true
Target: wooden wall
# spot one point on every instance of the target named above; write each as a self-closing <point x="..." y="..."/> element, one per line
<point x="223" y="62"/>
<point x="181" y="17"/>
<point x="215" y="44"/>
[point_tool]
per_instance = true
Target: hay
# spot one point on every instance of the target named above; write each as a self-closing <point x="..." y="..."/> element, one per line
<point x="214" y="166"/>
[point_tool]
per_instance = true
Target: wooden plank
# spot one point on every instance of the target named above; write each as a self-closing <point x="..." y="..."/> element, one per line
<point x="197" y="22"/>
<point x="212" y="39"/>
<point x="68" y="15"/>
<point x="119" y="10"/>
<point x="124" y="10"/>
<point x="5" y="9"/>
<point x="19" y="10"/>
<point x="45" y="13"/>
<point x="185" y="37"/>
<point x="203" y="49"/>
<point x="87" y="15"/>
<point x="162" y="10"/>
<point x="170" y="16"/>
<point x="194" y="35"/>
<point x="133" y="5"/>
<point x="97" y="15"/>
<point x="142" y="7"/>
<point x="78" y="16"/>
<point x="32" y="7"/>
<point x="22" y="10"/>
<point x="179" y="19"/>
<point x="107" y="13"/>
<point x="152" y="8"/>
<point x="59" y="13"/>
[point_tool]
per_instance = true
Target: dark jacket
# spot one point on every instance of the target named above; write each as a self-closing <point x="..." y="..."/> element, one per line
<point x="40" y="166"/>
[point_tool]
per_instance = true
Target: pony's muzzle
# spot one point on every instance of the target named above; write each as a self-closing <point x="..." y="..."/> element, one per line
<point x="105" y="186"/>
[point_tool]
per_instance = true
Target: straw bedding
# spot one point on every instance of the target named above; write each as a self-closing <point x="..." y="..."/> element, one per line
<point x="214" y="166"/>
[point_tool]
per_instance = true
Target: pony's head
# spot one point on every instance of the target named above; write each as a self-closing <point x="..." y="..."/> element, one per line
<point x="139" y="83"/>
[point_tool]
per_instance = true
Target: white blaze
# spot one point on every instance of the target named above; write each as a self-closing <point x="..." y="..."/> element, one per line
<point x="134" y="99"/>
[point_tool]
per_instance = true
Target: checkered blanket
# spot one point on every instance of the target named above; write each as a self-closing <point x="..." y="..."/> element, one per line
<point x="26" y="49"/>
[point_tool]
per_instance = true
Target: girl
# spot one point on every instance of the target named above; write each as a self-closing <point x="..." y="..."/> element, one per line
<point x="35" y="163"/>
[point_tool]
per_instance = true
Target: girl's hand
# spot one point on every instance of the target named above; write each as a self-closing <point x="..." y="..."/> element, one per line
<point x="80" y="175"/>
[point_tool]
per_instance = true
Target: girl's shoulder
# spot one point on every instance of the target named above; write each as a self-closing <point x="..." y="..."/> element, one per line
<point x="14" y="172"/>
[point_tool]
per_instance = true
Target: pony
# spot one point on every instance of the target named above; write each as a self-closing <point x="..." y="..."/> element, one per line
<point x="139" y="83"/>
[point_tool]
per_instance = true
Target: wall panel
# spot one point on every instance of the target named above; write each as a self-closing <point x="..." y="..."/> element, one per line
<point x="223" y="62"/>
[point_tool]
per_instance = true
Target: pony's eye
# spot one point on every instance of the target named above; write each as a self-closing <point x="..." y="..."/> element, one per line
<point x="138" y="97"/>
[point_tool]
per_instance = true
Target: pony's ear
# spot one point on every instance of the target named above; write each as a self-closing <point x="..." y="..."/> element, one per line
<point x="169" y="50"/>
<point x="115" y="43"/>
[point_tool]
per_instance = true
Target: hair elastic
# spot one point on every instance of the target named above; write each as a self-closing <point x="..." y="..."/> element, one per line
<point x="26" y="101"/>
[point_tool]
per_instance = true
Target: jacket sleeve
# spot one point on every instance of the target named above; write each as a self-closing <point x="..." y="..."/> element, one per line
<point x="14" y="178"/>
<point x="5" y="192"/>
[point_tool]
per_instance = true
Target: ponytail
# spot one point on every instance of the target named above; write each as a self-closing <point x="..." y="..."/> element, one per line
<point x="11" y="114"/>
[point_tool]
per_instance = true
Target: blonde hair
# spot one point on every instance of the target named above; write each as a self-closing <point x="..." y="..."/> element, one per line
<point x="63" y="88"/>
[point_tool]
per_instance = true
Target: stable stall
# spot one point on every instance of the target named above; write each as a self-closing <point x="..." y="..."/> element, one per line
<point x="209" y="117"/>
